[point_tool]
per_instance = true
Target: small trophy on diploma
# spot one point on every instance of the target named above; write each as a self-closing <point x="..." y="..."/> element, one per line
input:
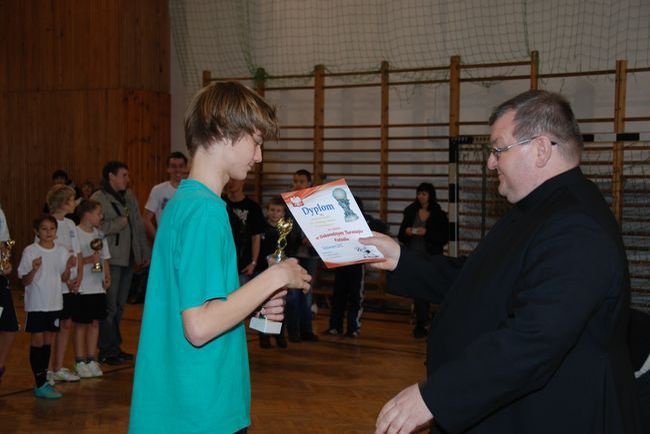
<point x="342" y="198"/>
<point x="5" y="253"/>
<point x="97" y="245"/>
<point x="259" y="321"/>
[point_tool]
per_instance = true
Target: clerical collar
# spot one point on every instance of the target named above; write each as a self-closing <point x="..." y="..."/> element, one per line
<point x="548" y="187"/>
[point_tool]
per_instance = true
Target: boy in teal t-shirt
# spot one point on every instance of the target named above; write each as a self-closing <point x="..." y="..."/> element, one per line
<point x="192" y="371"/>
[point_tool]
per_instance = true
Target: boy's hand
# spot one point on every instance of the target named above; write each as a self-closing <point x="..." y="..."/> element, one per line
<point x="36" y="263"/>
<point x="107" y="281"/>
<point x="7" y="269"/>
<point x="294" y="275"/>
<point x="74" y="285"/>
<point x="273" y="309"/>
<point x="122" y="221"/>
<point x="72" y="261"/>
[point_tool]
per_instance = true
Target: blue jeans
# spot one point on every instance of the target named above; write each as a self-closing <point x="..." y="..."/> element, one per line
<point x="110" y="338"/>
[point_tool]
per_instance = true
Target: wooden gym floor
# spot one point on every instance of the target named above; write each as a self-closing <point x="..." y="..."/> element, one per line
<point x="337" y="385"/>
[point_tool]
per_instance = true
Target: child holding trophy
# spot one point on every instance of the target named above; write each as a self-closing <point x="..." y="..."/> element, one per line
<point x="8" y="320"/>
<point x="192" y="367"/>
<point x="90" y="305"/>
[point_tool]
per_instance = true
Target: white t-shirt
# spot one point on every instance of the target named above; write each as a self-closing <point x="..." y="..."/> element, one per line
<point x="91" y="283"/>
<point x="66" y="237"/>
<point x="158" y="198"/>
<point x="44" y="294"/>
<point x="4" y="230"/>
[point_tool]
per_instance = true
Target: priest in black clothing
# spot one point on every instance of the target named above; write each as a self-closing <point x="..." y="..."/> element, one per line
<point x="531" y="334"/>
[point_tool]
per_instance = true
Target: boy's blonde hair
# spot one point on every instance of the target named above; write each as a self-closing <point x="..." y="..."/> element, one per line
<point x="58" y="196"/>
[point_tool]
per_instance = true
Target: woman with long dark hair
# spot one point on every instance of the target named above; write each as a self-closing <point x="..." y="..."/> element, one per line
<point x="425" y="230"/>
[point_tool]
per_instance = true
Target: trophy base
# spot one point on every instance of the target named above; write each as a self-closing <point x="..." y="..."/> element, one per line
<point x="264" y="325"/>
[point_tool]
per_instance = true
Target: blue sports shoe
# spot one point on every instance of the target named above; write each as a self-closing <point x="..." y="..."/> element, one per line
<point x="47" y="392"/>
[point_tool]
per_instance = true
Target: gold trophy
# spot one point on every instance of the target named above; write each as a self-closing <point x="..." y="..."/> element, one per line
<point x="97" y="245"/>
<point x="284" y="227"/>
<point x="5" y="253"/>
<point x="259" y="321"/>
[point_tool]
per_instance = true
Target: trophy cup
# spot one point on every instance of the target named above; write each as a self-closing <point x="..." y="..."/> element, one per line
<point x="5" y="253"/>
<point x="344" y="202"/>
<point x="97" y="245"/>
<point x="260" y="323"/>
<point x="284" y="227"/>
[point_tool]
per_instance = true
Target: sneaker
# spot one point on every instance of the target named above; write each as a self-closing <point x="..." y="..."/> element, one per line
<point x="352" y="334"/>
<point x="83" y="370"/>
<point x="64" y="374"/>
<point x="125" y="356"/>
<point x="47" y="392"/>
<point x="94" y="369"/>
<point x="111" y="360"/>
<point x="332" y="332"/>
<point x="50" y="378"/>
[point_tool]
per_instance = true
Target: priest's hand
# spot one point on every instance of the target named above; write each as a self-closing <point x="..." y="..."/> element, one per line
<point x="387" y="246"/>
<point x="403" y="414"/>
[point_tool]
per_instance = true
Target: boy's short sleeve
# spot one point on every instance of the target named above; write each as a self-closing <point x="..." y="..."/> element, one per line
<point x="25" y="265"/>
<point x="202" y="248"/>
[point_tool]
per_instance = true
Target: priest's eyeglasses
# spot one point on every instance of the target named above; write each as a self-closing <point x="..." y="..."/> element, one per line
<point x="500" y="150"/>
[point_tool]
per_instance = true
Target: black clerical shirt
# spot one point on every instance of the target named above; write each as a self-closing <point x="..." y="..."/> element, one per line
<point x="531" y="334"/>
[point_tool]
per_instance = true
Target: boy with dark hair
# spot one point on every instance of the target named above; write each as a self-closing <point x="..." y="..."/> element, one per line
<point x="43" y="268"/>
<point x="275" y="210"/>
<point x="246" y="232"/>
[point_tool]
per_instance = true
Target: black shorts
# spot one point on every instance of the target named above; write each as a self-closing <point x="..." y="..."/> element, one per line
<point x="8" y="319"/>
<point x="88" y="307"/>
<point x="68" y="305"/>
<point x="38" y="322"/>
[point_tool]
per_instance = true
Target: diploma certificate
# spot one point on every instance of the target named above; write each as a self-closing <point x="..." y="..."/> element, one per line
<point x="332" y="221"/>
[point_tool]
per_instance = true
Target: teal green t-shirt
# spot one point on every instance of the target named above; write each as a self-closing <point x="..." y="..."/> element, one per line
<point x="180" y="388"/>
